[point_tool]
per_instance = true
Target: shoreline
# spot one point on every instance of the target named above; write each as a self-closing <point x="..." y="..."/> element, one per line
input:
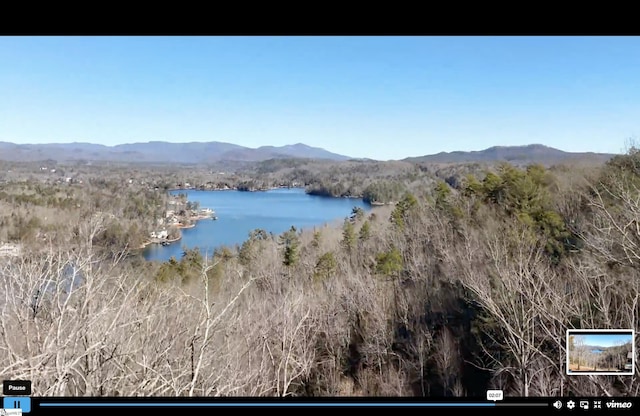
<point x="235" y="188"/>
<point x="275" y="188"/>
<point x="148" y="242"/>
<point x="179" y="226"/>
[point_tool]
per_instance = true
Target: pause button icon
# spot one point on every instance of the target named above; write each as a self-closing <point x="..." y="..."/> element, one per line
<point x="23" y="403"/>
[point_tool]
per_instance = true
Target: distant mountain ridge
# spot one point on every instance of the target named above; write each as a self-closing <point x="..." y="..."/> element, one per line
<point x="160" y="151"/>
<point x="533" y="153"/>
<point x="214" y="152"/>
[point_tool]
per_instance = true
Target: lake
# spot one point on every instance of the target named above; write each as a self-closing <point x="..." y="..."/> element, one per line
<point x="240" y="212"/>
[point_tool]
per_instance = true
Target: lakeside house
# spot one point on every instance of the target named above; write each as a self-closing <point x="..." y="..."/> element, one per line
<point x="206" y="211"/>
<point x="161" y="235"/>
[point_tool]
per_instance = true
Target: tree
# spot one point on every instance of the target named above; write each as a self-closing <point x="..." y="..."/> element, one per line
<point x="400" y="212"/>
<point x="389" y="263"/>
<point x="447" y="359"/>
<point x="382" y="192"/>
<point x="572" y="342"/>
<point x="442" y="192"/>
<point x="348" y="236"/>
<point x="317" y="238"/>
<point x="325" y="266"/>
<point x="291" y="243"/>
<point x="365" y="231"/>
<point x="174" y="233"/>
<point x="579" y="351"/>
<point x="521" y="300"/>
<point x="252" y="247"/>
<point x="493" y="188"/>
<point x="472" y="186"/>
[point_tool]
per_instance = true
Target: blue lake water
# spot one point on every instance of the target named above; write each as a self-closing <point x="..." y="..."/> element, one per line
<point x="241" y="212"/>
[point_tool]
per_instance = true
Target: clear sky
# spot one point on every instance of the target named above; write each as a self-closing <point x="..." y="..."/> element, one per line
<point x="604" y="340"/>
<point x="377" y="97"/>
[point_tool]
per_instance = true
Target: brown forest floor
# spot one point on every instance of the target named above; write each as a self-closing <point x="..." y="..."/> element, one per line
<point x="574" y="367"/>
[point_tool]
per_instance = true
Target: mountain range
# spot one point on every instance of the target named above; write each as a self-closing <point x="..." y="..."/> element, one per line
<point x="532" y="153"/>
<point x="158" y="151"/>
<point x="216" y="152"/>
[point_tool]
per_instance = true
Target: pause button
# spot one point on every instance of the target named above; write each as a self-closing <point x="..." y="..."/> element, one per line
<point x="23" y="403"/>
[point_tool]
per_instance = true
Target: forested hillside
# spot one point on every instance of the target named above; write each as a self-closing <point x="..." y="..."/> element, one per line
<point x="467" y="281"/>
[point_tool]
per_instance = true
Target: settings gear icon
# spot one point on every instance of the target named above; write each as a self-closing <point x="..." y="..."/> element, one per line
<point x="571" y="404"/>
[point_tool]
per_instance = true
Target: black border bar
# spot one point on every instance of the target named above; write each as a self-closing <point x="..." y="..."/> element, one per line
<point x="207" y="405"/>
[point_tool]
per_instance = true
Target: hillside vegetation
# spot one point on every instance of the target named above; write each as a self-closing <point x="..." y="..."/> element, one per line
<point x="467" y="281"/>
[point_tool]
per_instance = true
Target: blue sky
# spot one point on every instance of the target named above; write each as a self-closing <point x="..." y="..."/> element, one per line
<point x="604" y="340"/>
<point x="378" y="97"/>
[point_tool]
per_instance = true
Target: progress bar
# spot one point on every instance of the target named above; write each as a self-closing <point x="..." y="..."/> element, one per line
<point x="271" y="404"/>
<point x="267" y="404"/>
